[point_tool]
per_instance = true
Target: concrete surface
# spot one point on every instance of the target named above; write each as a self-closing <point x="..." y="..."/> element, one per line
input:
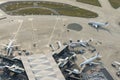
<point x="44" y="30"/>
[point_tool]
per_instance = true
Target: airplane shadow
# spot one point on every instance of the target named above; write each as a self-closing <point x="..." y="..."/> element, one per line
<point x="104" y="29"/>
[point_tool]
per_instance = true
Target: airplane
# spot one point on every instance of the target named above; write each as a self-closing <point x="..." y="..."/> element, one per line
<point x="10" y="46"/>
<point x="79" y="43"/>
<point x="63" y="62"/>
<point x="74" y="71"/>
<point x="90" y="60"/>
<point x="98" y="25"/>
<point x="15" y="68"/>
<point x="116" y="62"/>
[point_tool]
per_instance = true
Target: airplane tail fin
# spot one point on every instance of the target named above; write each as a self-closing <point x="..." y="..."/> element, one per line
<point x="98" y="55"/>
<point x="106" y="23"/>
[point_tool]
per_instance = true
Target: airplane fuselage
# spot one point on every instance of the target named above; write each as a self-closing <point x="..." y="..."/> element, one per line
<point x="10" y="45"/>
<point x="74" y="44"/>
<point x="88" y="61"/>
<point x="118" y="63"/>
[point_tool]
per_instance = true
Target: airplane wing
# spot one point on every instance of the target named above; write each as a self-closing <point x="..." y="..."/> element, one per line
<point x="94" y="63"/>
<point x="84" y="57"/>
<point x="59" y="63"/>
<point x="69" y="71"/>
<point x="3" y="45"/>
<point x="72" y="44"/>
<point x="82" y="68"/>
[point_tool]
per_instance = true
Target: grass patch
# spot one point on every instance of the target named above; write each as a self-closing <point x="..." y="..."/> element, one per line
<point x="68" y="10"/>
<point x="62" y="9"/>
<point x="75" y="27"/>
<point x="115" y="3"/>
<point x="92" y="2"/>
<point x="32" y="11"/>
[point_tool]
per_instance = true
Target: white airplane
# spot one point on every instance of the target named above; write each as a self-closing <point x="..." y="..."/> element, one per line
<point x="74" y="71"/>
<point x="116" y="62"/>
<point x="63" y="62"/>
<point x="15" y="68"/>
<point x="98" y="25"/>
<point x="90" y="60"/>
<point x="78" y="43"/>
<point x="10" y="46"/>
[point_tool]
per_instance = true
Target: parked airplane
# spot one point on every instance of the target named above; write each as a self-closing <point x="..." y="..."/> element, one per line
<point x="90" y="60"/>
<point x="15" y="68"/>
<point x="98" y="25"/>
<point x="79" y="43"/>
<point x="74" y="71"/>
<point x="116" y="62"/>
<point x="10" y="46"/>
<point x="63" y="62"/>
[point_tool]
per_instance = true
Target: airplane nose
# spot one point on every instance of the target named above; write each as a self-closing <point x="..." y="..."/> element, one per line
<point x="81" y="65"/>
<point x="89" y="24"/>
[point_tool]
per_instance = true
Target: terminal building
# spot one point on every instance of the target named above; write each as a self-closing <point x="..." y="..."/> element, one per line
<point x="41" y="67"/>
<point x="45" y="67"/>
<point x="62" y="64"/>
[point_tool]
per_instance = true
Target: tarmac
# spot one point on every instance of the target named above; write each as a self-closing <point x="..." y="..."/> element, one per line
<point x="44" y="30"/>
